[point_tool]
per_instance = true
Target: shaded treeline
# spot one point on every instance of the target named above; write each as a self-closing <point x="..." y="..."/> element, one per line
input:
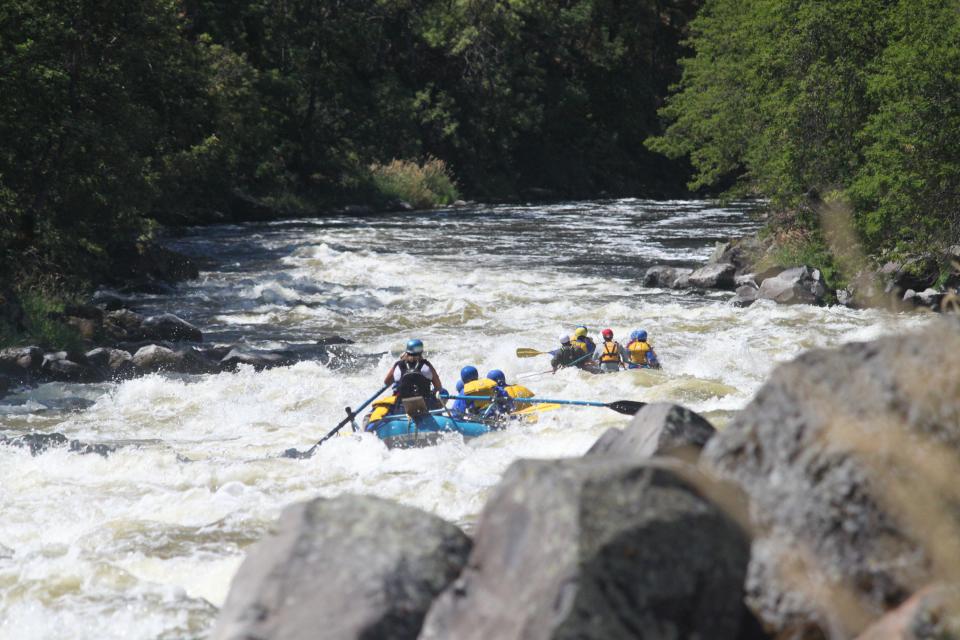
<point x="117" y="116"/>
<point x="851" y="103"/>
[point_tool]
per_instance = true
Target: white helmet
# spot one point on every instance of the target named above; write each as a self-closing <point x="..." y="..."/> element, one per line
<point x="564" y="338"/>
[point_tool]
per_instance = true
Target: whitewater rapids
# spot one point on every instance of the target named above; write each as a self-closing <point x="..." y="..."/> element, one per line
<point x="143" y="544"/>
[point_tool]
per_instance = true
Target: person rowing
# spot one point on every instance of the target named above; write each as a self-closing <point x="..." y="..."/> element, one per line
<point x="611" y="354"/>
<point x="413" y="374"/>
<point x="641" y="353"/>
<point x="515" y="392"/>
<point x="567" y="355"/>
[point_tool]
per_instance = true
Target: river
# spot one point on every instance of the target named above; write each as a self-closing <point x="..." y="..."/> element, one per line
<point x="143" y="543"/>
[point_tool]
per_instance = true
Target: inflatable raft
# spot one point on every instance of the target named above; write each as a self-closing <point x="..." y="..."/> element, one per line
<point x="401" y="431"/>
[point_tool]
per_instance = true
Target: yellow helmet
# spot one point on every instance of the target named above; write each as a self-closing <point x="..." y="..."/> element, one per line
<point x="580" y="332"/>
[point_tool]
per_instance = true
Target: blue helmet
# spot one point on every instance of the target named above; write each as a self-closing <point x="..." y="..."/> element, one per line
<point x="415" y="347"/>
<point x="634" y="334"/>
<point x="459" y="386"/>
<point x="641" y="334"/>
<point x="497" y="376"/>
<point x="469" y="373"/>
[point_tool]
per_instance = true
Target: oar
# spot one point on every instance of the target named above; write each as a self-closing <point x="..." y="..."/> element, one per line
<point x="293" y="453"/>
<point x="534" y="375"/>
<point x="628" y="407"/>
<point x="523" y="352"/>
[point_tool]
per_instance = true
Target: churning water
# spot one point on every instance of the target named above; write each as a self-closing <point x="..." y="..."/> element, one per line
<point x="143" y="544"/>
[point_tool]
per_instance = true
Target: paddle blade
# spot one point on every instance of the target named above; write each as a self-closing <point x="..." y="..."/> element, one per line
<point x="523" y="352"/>
<point x="629" y="407"/>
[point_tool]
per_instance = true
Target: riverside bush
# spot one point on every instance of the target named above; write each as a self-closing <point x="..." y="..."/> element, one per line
<point x="424" y="185"/>
<point x="855" y="97"/>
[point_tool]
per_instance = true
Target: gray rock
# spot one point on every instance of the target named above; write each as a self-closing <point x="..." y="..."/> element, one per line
<point x="37" y="443"/>
<point x="664" y="276"/>
<point x="116" y="362"/>
<point x="799" y="285"/>
<point x="845" y="297"/>
<point x="18" y="361"/>
<point x="657" y="429"/>
<point x="713" y="276"/>
<point x="62" y="367"/>
<point x="747" y="279"/>
<point x="170" y="327"/>
<point x="259" y="360"/>
<point x="597" y="548"/>
<point x="459" y="203"/>
<point x="343" y="568"/>
<point x="746" y="296"/>
<point x="155" y="358"/>
<point x="111" y="300"/>
<point x="835" y="450"/>
<point x="123" y="325"/>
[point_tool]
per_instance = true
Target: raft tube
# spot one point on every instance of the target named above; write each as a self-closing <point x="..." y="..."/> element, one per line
<point x="403" y="432"/>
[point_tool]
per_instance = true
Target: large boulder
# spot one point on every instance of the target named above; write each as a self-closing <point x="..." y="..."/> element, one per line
<point x="799" y="285"/>
<point x="257" y="359"/>
<point x="713" y="276"/>
<point x="746" y="295"/>
<point x="917" y="273"/>
<point x="155" y="358"/>
<point x="113" y="362"/>
<point x="343" y="568"/>
<point x="664" y="276"/>
<point x="167" y="326"/>
<point x="63" y="367"/>
<point x="840" y="452"/>
<point x="123" y="325"/>
<point x="19" y="362"/>
<point x="597" y="548"/>
<point x="657" y="429"/>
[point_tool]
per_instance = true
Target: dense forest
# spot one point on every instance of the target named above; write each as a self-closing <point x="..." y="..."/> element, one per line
<point x="851" y="103"/>
<point x="118" y="118"/>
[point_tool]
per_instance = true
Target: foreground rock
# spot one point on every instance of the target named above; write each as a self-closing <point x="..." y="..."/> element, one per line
<point x="840" y="452"/>
<point x="657" y="429"/>
<point x="931" y="614"/>
<point x="597" y="548"/>
<point x="350" y="567"/>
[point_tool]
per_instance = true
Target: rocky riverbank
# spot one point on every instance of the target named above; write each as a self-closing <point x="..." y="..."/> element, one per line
<point x="928" y="281"/>
<point x="820" y="509"/>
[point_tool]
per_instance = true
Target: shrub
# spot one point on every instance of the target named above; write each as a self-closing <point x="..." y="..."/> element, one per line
<point x="422" y="185"/>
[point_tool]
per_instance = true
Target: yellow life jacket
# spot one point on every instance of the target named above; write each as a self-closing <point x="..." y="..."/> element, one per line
<point x="481" y="387"/>
<point x="516" y="391"/>
<point x="579" y="344"/>
<point x="611" y="351"/>
<point x="381" y="408"/>
<point x="638" y="351"/>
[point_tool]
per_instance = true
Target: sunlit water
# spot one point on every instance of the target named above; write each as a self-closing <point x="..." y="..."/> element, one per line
<point x="143" y="544"/>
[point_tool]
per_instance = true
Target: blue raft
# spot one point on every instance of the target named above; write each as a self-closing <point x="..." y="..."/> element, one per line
<point x="400" y="431"/>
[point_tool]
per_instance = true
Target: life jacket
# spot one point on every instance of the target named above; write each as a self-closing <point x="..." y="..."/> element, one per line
<point x="567" y="355"/>
<point x="611" y="351"/>
<point x="638" y="351"/>
<point x="482" y="387"/>
<point x="516" y="391"/>
<point x="381" y="409"/>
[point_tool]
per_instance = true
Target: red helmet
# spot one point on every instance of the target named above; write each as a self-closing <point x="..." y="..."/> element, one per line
<point x="607" y="333"/>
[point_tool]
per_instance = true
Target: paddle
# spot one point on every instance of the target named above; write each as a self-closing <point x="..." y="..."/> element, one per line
<point x="628" y="407"/>
<point x="293" y="453"/>
<point x="523" y="352"/>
